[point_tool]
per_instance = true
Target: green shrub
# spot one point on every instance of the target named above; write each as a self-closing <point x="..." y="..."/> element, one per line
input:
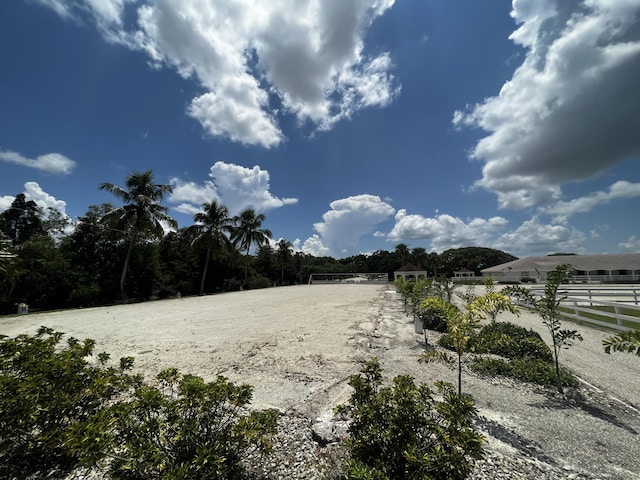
<point x="46" y="391"/>
<point x="512" y="341"/>
<point x="402" y="432"/>
<point x="524" y="369"/>
<point x="60" y="411"/>
<point x="434" y="313"/>
<point x="259" y="282"/>
<point x="183" y="428"/>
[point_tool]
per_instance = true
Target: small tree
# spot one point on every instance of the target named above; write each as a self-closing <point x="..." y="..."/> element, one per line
<point x="628" y="342"/>
<point x="402" y="432"/>
<point x="461" y="327"/>
<point x="548" y="307"/>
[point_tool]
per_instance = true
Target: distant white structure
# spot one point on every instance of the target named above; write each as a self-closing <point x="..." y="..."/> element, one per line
<point x="464" y="274"/>
<point x="624" y="267"/>
<point x="409" y="272"/>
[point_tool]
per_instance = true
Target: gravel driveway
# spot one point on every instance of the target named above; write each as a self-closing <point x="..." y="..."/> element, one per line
<point x="298" y="345"/>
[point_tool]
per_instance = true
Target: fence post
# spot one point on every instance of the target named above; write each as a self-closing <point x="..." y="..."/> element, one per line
<point x="616" y="308"/>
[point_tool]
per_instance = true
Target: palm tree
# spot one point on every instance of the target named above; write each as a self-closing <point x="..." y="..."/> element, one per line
<point x="248" y="231"/>
<point x="212" y="226"/>
<point x="141" y="216"/>
<point x="285" y="249"/>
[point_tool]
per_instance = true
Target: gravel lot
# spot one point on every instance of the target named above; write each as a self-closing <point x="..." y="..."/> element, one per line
<point x="298" y="346"/>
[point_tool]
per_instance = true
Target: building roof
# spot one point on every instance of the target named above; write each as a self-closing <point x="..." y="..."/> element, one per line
<point x="410" y="267"/>
<point x="621" y="261"/>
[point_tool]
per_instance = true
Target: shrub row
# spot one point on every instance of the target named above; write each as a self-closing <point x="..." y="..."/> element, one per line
<point x="63" y="409"/>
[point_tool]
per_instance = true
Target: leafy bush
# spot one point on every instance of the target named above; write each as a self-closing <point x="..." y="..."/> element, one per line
<point x="525" y="369"/>
<point x="402" y="432"/>
<point x="512" y="341"/>
<point x="46" y="391"/>
<point x="259" y="282"/>
<point x="435" y="312"/>
<point x="59" y="411"/>
<point x="183" y="428"/>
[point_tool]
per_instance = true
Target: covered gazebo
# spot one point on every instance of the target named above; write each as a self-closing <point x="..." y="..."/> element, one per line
<point x="409" y="272"/>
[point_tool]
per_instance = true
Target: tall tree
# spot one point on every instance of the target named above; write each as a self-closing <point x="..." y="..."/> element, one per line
<point x="141" y="216"/>
<point x="213" y="225"/>
<point x="284" y="253"/>
<point x="22" y="220"/>
<point x="247" y="231"/>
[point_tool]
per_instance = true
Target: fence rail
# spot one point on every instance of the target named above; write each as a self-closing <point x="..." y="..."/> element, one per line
<point x="579" y="302"/>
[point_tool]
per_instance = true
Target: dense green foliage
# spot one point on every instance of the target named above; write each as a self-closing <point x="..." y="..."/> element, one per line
<point x="46" y="392"/>
<point x="62" y="408"/>
<point x="529" y="370"/>
<point x="402" y="432"/>
<point x="507" y="340"/>
<point x="435" y="313"/>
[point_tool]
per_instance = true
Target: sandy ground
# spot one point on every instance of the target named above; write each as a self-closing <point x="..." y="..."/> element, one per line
<point x="298" y="346"/>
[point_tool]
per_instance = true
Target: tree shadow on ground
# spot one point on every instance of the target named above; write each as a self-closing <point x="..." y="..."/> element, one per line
<point x="607" y="411"/>
<point x="514" y="439"/>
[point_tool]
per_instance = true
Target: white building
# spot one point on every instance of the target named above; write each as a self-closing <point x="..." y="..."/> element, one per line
<point x="623" y="267"/>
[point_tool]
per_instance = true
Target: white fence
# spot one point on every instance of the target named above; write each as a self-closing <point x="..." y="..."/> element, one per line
<point x="581" y="300"/>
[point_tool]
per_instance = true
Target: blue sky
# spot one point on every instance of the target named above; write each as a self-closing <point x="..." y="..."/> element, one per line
<point x="354" y="125"/>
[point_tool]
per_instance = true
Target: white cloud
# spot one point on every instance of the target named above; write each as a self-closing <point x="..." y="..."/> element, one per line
<point x="632" y="244"/>
<point x="348" y="221"/>
<point x="445" y="231"/>
<point x="535" y="238"/>
<point x="50" y="162"/>
<point x="5" y="202"/>
<point x="314" y="246"/>
<point x="310" y="55"/>
<point x="568" y="112"/>
<point x="33" y="191"/>
<point x="621" y="189"/>
<point x="236" y="186"/>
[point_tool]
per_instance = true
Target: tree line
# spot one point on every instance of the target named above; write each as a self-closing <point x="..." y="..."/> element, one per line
<point x="136" y="252"/>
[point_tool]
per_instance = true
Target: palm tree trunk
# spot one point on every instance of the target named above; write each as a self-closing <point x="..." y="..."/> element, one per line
<point x="125" y="268"/>
<point x="246" y="267"/>
<point x="204" y="274"/>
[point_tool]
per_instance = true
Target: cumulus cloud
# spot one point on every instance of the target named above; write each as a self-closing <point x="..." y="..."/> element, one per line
<point x="50" y="162"/>
<point x="314" y="246"/>
<point x="445" y="231"/>
<point x="33" y="191"/>
<point x="236" y="186"/>
<point x="248" y="55"/>
<point x="563" y="210"/>
<point x="347" y="222"/>
<point x="631" y="245"/>
<point x="535" y="238"/>
<point x="570" y="110"/>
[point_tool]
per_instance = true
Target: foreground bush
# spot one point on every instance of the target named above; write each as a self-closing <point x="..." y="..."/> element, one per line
<point x="46" y="391"/>
<point x="181" y="428"/>
<point x="59" y="412"/>
<point x="402" y="432"/>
